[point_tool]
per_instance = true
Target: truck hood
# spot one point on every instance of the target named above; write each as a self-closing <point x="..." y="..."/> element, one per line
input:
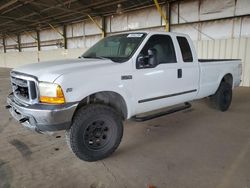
<point x="50" y="70"/>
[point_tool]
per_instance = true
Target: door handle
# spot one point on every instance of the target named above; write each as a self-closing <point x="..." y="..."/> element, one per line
<point x="179" y="73"/>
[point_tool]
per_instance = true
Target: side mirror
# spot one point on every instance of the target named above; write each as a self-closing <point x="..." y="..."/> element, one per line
<point x="152" y="57"/>
<point x="148" y="61"/>
<point x="141" y="61"/>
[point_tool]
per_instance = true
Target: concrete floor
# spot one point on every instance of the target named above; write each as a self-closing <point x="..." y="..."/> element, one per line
<point x="199" y="147"/>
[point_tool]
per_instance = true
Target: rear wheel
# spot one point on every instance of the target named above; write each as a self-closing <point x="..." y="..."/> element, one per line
<point x="223" y="97"/>
<point x="95" y="133"/>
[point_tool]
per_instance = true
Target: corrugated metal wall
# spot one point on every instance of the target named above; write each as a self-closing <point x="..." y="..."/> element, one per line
<point x="238" y="48"/>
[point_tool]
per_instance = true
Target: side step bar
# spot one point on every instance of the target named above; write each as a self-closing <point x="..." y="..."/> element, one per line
<point x="170" y="111"/>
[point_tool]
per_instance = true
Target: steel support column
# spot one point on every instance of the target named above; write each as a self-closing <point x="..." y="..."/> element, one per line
<point x="162" y="15"/>
<point x="65" y="37"/>
<point x="19" y="43"/>
<point x="38" y="40"/>
<point x="168" y="13"/>
<point x="4" y="45"/>
<point x="103" y="26"/>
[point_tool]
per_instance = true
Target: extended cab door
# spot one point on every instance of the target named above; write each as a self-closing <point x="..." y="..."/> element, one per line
<point x="161" y="81"/>
<point x="189" y="66"/>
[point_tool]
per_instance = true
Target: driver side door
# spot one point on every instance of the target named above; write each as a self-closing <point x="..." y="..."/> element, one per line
<point x="155" y="86"/>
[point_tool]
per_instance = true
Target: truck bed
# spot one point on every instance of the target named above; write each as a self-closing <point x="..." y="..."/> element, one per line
<point x="212" y="71"/>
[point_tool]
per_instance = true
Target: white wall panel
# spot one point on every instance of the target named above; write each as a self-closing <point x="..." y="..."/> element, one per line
<point x="12" y="50"/>
<point x="217" y="29"/>
<point x="91" y="28"/>
<point x="145" y="18"/>
<point x="91" y="40"/>
<point x="69" y="30"/>
<point x="237" y="24"/>
<point x="188" y="29"/>
<point x="48" y="48"/>
<point x="210" y="49"/>
<point x="118" y="23"/>
<point x="50" y="34"/>
<point x="16" y="59"/>
<point x="76" y="43"/>
<point x="234" y="27"/>
<point x="78" y="29"/>
<point x="245" y="30"/>
<point x="242" y="7"/>
<point x="31" y="49"/>
<point x="153" y="18"/>
<point x="211" y="9"/>
<point x="160" y="28"/>
<point x="11" y="41"/>
<point x="3" y="60"/>
<point x="189" y="10"/>
<point x="28" y="38"/>
<point x="235" y="48"/>
<point x="229" y="48"/>
<point x="174" y="13"/>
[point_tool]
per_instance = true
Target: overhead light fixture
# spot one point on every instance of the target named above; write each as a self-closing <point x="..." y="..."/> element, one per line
<point x="119" y="9"/>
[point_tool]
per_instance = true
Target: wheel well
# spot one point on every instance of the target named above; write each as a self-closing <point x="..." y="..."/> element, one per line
<point x="228" y="78"/>
<point x="109" y="98"/>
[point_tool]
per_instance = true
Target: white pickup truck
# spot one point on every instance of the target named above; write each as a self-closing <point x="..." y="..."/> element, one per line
<point x="120" y="77"/>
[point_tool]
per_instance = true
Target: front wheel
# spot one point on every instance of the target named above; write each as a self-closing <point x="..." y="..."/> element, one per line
<point x="95" y="133"/>
<point x="223" y="97"/>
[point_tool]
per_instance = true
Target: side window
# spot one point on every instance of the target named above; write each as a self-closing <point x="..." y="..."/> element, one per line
<point x="185" y="49"/>
<point x="163" y="49"/>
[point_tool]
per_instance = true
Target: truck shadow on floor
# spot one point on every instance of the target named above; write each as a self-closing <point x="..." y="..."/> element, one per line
<point x="5" y="174"/>
<point x="22" y="148"/>
<point x="155" y="131"/>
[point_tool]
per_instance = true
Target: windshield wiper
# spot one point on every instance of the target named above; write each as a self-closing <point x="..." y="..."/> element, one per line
<point x="101" y="57"/>
<point x="98" y="57"/>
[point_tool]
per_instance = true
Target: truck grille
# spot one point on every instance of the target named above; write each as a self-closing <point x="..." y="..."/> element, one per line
<point x="24" y="88"/>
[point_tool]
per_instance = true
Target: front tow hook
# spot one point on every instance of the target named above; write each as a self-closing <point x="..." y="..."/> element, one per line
<point x="23" y="120"/>
<point x="7" y="107"/>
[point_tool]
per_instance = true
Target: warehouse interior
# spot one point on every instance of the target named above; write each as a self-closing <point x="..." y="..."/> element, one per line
<point x="33" y="31"/>
<point x="199" y="147"/>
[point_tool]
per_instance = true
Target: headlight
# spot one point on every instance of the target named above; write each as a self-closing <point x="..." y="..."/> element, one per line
<point x="51" y="93"/>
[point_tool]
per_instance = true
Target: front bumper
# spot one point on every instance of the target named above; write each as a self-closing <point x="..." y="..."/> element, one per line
<point x="42" y="117"/>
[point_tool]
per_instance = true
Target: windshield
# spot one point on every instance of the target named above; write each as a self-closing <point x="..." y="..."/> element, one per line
<point x="118" y="48"/>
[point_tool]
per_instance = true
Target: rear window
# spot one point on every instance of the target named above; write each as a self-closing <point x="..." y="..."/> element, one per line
<point x="185" y="49"/>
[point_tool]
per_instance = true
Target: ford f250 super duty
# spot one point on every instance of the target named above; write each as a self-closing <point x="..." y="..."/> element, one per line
<point x="121" y="77"/>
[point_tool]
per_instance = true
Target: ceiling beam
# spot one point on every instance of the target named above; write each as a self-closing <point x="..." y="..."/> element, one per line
<point x="6" y="5"/>
<point x="38" y="19"/>
<point x="84" y="11"/>
<point x="17" y="19"/>
<point x="86" y="8"/>
<point x="15" y="7"/>
<point x="77" y="11"/>
<point x="35" y="13"/>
